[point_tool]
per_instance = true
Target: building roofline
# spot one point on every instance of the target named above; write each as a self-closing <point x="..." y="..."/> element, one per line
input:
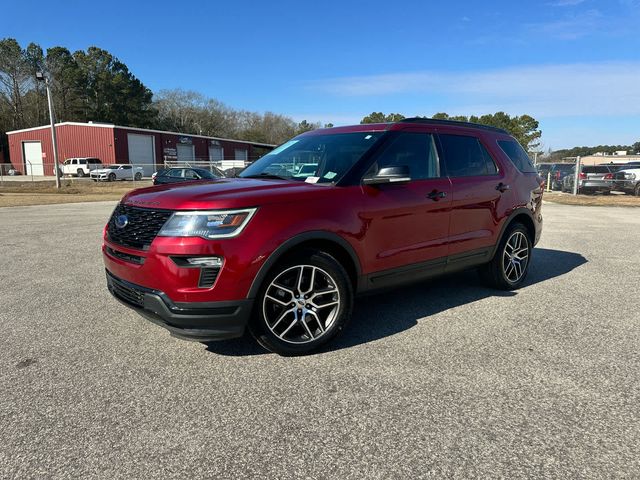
<point x="113" y="126"/>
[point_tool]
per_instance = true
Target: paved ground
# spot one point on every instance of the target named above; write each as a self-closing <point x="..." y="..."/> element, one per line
<point x="444" y="378"/>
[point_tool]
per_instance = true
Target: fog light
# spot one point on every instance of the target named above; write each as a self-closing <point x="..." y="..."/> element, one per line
<point x="198" y="262"/>
<point x="204" y="261"/>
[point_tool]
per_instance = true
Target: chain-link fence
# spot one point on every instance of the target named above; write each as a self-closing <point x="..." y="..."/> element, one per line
<point x="87" y="171"/>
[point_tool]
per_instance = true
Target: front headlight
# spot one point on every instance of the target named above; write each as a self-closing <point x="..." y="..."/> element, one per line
<point x="211" y="224"/>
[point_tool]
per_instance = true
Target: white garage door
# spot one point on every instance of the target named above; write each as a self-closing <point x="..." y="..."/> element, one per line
<point x="186" y="153"/>
<point x="32" y="152"/>
<point x="215" y="154"/>
<point x="142" y="152"/>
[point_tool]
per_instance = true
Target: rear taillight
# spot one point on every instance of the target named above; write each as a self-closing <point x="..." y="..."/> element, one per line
<point x="608" y="176"/>
<point x="582" y="176"/>
<point x="558" y="175"/>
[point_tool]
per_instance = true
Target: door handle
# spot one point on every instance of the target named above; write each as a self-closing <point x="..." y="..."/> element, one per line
<point x="436" y="195"/>
<point x="502" y="187"/>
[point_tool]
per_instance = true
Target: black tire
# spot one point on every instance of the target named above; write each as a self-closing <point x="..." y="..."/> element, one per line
<point x="328" y="275"/>
<point x="137" y="177"/>
<point x="112" y="177"/>
<point x="80" y="173"/>
<point x="494" y="273"/>
<point x="636" y="190"/>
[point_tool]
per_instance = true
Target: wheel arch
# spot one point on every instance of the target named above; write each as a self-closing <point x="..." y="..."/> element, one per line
<point x="520" y="215"/>
<point x="328" y="242"/>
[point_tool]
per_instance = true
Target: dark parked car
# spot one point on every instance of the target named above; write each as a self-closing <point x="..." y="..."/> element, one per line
<point x="558" y="172"/>
<point x="591" y="179"/>
<point x="554" y="173"/>
<point x="283" y="254"/>
<point x="233" y="171"/>
<point x="184" y="174"/>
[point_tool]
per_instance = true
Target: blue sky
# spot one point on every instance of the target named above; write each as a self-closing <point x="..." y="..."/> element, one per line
<point x="572" y="64"/>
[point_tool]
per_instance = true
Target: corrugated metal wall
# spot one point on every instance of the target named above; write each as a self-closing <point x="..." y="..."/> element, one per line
<point x="73" y="141"/>
<point x="110" y="144"/>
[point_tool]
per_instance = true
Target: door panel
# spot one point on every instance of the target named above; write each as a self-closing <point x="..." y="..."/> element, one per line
<point x="476" y="199"/>
<point x="474" y="213"/>
<point x="404" y="225"/>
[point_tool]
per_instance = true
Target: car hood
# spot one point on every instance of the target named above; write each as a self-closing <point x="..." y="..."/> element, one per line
<point x="222" y="193"/>
<point x="102" y="170"/>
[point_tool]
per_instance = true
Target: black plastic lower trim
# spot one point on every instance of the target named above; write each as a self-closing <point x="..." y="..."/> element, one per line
<point x="198" y="321"/>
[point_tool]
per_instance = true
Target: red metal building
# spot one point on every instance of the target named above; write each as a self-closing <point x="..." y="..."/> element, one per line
<point x="31" y="149"/>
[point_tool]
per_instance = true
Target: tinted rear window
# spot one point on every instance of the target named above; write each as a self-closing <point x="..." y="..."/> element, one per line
<point x="517" y="155"/>
<point x="466" y="157"/>
<point x="563" y="167"/>
<point x="595" y="169"/>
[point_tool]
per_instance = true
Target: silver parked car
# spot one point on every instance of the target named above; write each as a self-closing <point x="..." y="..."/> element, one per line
<point x="591" y="179"/>
<point x="111" y="173"/>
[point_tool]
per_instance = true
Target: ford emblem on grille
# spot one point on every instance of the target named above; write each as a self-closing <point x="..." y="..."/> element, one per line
<point x="122" y="221"/>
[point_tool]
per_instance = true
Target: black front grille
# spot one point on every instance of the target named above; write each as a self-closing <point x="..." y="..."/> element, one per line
<point x="125" y="291"/>
<point x="141" y="227"/>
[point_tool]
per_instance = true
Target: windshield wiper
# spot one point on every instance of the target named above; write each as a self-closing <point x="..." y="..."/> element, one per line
<point x="266" y="175"/>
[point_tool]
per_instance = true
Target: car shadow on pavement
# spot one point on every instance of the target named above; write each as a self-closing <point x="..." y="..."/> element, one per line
<point x="394" y="311"/>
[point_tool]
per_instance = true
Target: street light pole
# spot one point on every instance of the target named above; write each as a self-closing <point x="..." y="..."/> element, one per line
<point x="56" y="169"/>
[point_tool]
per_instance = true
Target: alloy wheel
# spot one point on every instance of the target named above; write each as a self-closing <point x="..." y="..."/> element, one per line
<point x="515" y="257"/>
<point x="301" y="304"/>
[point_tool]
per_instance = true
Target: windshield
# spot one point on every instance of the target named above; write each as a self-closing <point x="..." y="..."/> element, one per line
<point x="314" y="158"/>
<point x="112" y="167"/>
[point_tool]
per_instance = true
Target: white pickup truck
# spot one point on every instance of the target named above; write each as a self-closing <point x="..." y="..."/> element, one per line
<point x="627" y="179"/>
<point x="111" y="173"/>
<point x="80" y="167"/>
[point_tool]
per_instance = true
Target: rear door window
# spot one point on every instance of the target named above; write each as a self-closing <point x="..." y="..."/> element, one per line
<point x="517" y="155"/>
<point x="465" y="156"/>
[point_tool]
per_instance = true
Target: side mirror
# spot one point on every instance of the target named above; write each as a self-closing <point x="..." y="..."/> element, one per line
<point x="396" y="174"/>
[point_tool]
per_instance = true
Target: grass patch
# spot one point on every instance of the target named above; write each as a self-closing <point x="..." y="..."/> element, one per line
<point x="45" y="193"/>
<point x="593" y="200"/>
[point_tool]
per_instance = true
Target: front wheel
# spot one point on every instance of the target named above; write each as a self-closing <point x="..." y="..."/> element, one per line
<point x="304" y="302"/>
<point x="636" y="191"/>
<point x="112" y="177"/>
<point x="510" y="264"/>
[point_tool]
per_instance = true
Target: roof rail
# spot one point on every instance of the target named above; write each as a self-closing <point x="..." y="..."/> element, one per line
<point x="437" y="121"/>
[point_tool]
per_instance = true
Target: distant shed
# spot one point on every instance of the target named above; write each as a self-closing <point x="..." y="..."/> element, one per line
<point x="31" y="149"/>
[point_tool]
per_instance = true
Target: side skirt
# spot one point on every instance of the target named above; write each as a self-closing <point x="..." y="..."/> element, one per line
<point x="395" y="277"/>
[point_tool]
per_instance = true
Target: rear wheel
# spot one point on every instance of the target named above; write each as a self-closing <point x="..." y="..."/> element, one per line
<point x="80" y="172"/>
<point x="304" y="302"/>
<point x="137" y="177"/>
<point x="510" y="264"/>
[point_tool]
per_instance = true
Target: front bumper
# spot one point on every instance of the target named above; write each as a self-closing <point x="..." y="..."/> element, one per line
<point x="196" y="321"/>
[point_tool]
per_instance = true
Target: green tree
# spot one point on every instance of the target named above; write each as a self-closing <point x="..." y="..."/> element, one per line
<point x="111" y="92"/>
<point x="305" y="126"/>
<point x="524" y="128"/>
<point x="379" y="117"/>
<point x="67" y="85"/>
<point x="14" y="83"/>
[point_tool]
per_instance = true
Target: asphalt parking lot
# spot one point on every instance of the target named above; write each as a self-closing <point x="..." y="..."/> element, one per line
<point x="443" y="379"/>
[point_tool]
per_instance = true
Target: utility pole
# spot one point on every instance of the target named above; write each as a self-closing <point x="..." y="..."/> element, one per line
<point x="56" y="169"/>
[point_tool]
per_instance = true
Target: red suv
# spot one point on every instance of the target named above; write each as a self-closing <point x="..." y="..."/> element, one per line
<point x="283" y="249"/>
